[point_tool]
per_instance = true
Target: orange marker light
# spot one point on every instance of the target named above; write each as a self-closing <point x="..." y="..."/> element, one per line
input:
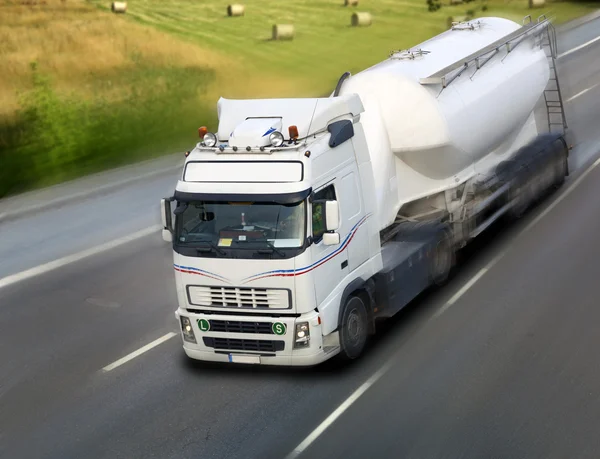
<point x="202" y="131"/>
<point x="293" y="131"/>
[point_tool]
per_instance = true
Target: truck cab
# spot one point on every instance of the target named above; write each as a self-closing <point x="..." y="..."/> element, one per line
<point x="271" y="232"/>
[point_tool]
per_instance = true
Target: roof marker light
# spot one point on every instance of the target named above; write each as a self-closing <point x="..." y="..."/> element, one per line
<point x="202" y="131"/>
<point x="293" y="131"/>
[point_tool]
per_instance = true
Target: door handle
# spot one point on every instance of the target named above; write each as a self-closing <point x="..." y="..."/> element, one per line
<point x="344" y="264"/>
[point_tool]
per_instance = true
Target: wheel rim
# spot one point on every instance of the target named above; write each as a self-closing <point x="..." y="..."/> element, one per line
<point x="355" y="328"/>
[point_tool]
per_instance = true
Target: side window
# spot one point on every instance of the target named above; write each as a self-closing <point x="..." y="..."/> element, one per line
<point x="318" y="223"/>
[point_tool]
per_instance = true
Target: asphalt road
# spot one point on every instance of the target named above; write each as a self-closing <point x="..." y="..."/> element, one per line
<point x="509" y="370"/>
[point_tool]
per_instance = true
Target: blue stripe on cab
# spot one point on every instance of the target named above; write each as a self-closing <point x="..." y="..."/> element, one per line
<point x="343" y="245"/>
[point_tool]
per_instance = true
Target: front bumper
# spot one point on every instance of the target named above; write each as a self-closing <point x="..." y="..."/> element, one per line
<point x="258" y="348"/>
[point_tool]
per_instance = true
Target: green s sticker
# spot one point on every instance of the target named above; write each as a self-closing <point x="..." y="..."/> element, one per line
<point x="278" y="328"/>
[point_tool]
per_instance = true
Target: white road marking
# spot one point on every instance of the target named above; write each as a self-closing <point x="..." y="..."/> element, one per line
<point x="50" y="266"/>
<point x="339" y="411"/>
<point x="386" y="367"/>
<point x="498" y="257"/>
<point x="581" y="93"/>
<point x="577" y="48"/>
<point x="466" y="287"/>
<point x="569" y="190"/>
<point x="139" y="352"/>
<point x="93" y="192"/>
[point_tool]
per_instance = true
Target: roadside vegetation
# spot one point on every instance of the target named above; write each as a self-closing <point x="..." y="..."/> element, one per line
<point x="83" y="89"/>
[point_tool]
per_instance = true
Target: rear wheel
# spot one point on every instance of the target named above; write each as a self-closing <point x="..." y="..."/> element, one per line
<point x="443" y="260"/>
<point x="354" y="328"/>
<point x="561" y="171"/>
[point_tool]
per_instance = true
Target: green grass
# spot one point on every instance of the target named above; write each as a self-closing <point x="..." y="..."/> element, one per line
<point x="325" y="44"/>
<point x="144" y="81"/>
<point x="56" y="137"/>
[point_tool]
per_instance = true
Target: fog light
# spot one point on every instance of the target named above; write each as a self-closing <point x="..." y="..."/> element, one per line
<point x="276" y="139"/>
<point x="186" y="328"/>
<point x="209" y="139"/>
<point x="302" y="335"/>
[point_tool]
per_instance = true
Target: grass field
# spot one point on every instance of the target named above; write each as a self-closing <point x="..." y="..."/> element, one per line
<point x="83" y="89"/>
<point x="325" y="45"/>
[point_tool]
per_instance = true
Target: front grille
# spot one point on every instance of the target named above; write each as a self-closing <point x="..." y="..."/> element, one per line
<point x="256" y="345"/>
<point x="236" y="326"/>
<point x="239" y="297"/>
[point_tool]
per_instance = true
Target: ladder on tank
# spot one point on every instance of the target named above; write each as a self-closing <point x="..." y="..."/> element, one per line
<point x="557" y="121"/>
<point x="544" y="34"/>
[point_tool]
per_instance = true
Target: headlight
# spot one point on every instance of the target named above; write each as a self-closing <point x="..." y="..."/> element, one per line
<point x="209" y="139"/>
<point x="302" y="335"/>
<point x="276" y="139"/>
<point x="186" y="328"/>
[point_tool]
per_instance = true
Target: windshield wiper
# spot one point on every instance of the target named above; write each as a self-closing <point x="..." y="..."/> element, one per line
<point x="213" y="245"/>
<point x="271" y="246"/>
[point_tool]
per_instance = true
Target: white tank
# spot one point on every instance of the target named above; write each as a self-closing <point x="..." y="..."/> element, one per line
<point x="423" y="139"/>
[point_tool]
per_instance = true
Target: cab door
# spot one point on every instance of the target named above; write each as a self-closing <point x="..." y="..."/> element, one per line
<point x="352" y="214"/>
<point x="330" y="262"/>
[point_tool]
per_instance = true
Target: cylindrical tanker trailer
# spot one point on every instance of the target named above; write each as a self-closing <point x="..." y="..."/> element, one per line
<point x="424" y="138"/>
<point x="300" y="222"/>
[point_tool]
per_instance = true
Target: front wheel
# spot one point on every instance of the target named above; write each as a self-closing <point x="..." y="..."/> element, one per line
<point x="353" y="328"/>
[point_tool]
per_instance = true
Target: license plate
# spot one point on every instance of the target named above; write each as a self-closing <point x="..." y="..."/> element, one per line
<point x="240" y="358"/>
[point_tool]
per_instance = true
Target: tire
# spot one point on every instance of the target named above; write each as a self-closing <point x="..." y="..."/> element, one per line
<point x="354" y="328"/>
<point x="443" y="260"/>
<point x="561" y="171"/>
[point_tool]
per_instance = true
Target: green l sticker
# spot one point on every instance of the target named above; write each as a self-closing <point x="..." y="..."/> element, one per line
<point x="203" y="325"/>
<point x="278" y="328"/>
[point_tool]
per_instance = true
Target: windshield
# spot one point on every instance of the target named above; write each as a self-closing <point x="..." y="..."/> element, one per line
<point x="218" y="226"/>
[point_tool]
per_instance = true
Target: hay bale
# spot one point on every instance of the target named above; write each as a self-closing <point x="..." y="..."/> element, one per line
<point x="350" y="2"/>
<point x="235" y="10"/>
<point x="118" y="7"/>
<point x="283" y="32"/>
<point x="536" y="3"/>
<point x="361" y="19"/>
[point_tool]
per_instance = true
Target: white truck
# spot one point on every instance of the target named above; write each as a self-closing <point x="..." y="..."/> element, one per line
<point x="301" y="222"/>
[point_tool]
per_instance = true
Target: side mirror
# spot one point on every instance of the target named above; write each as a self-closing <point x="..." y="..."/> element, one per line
<point x="331" y="238"/>
<point x="167" y="222"/>
<point x="332" y="215"/>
